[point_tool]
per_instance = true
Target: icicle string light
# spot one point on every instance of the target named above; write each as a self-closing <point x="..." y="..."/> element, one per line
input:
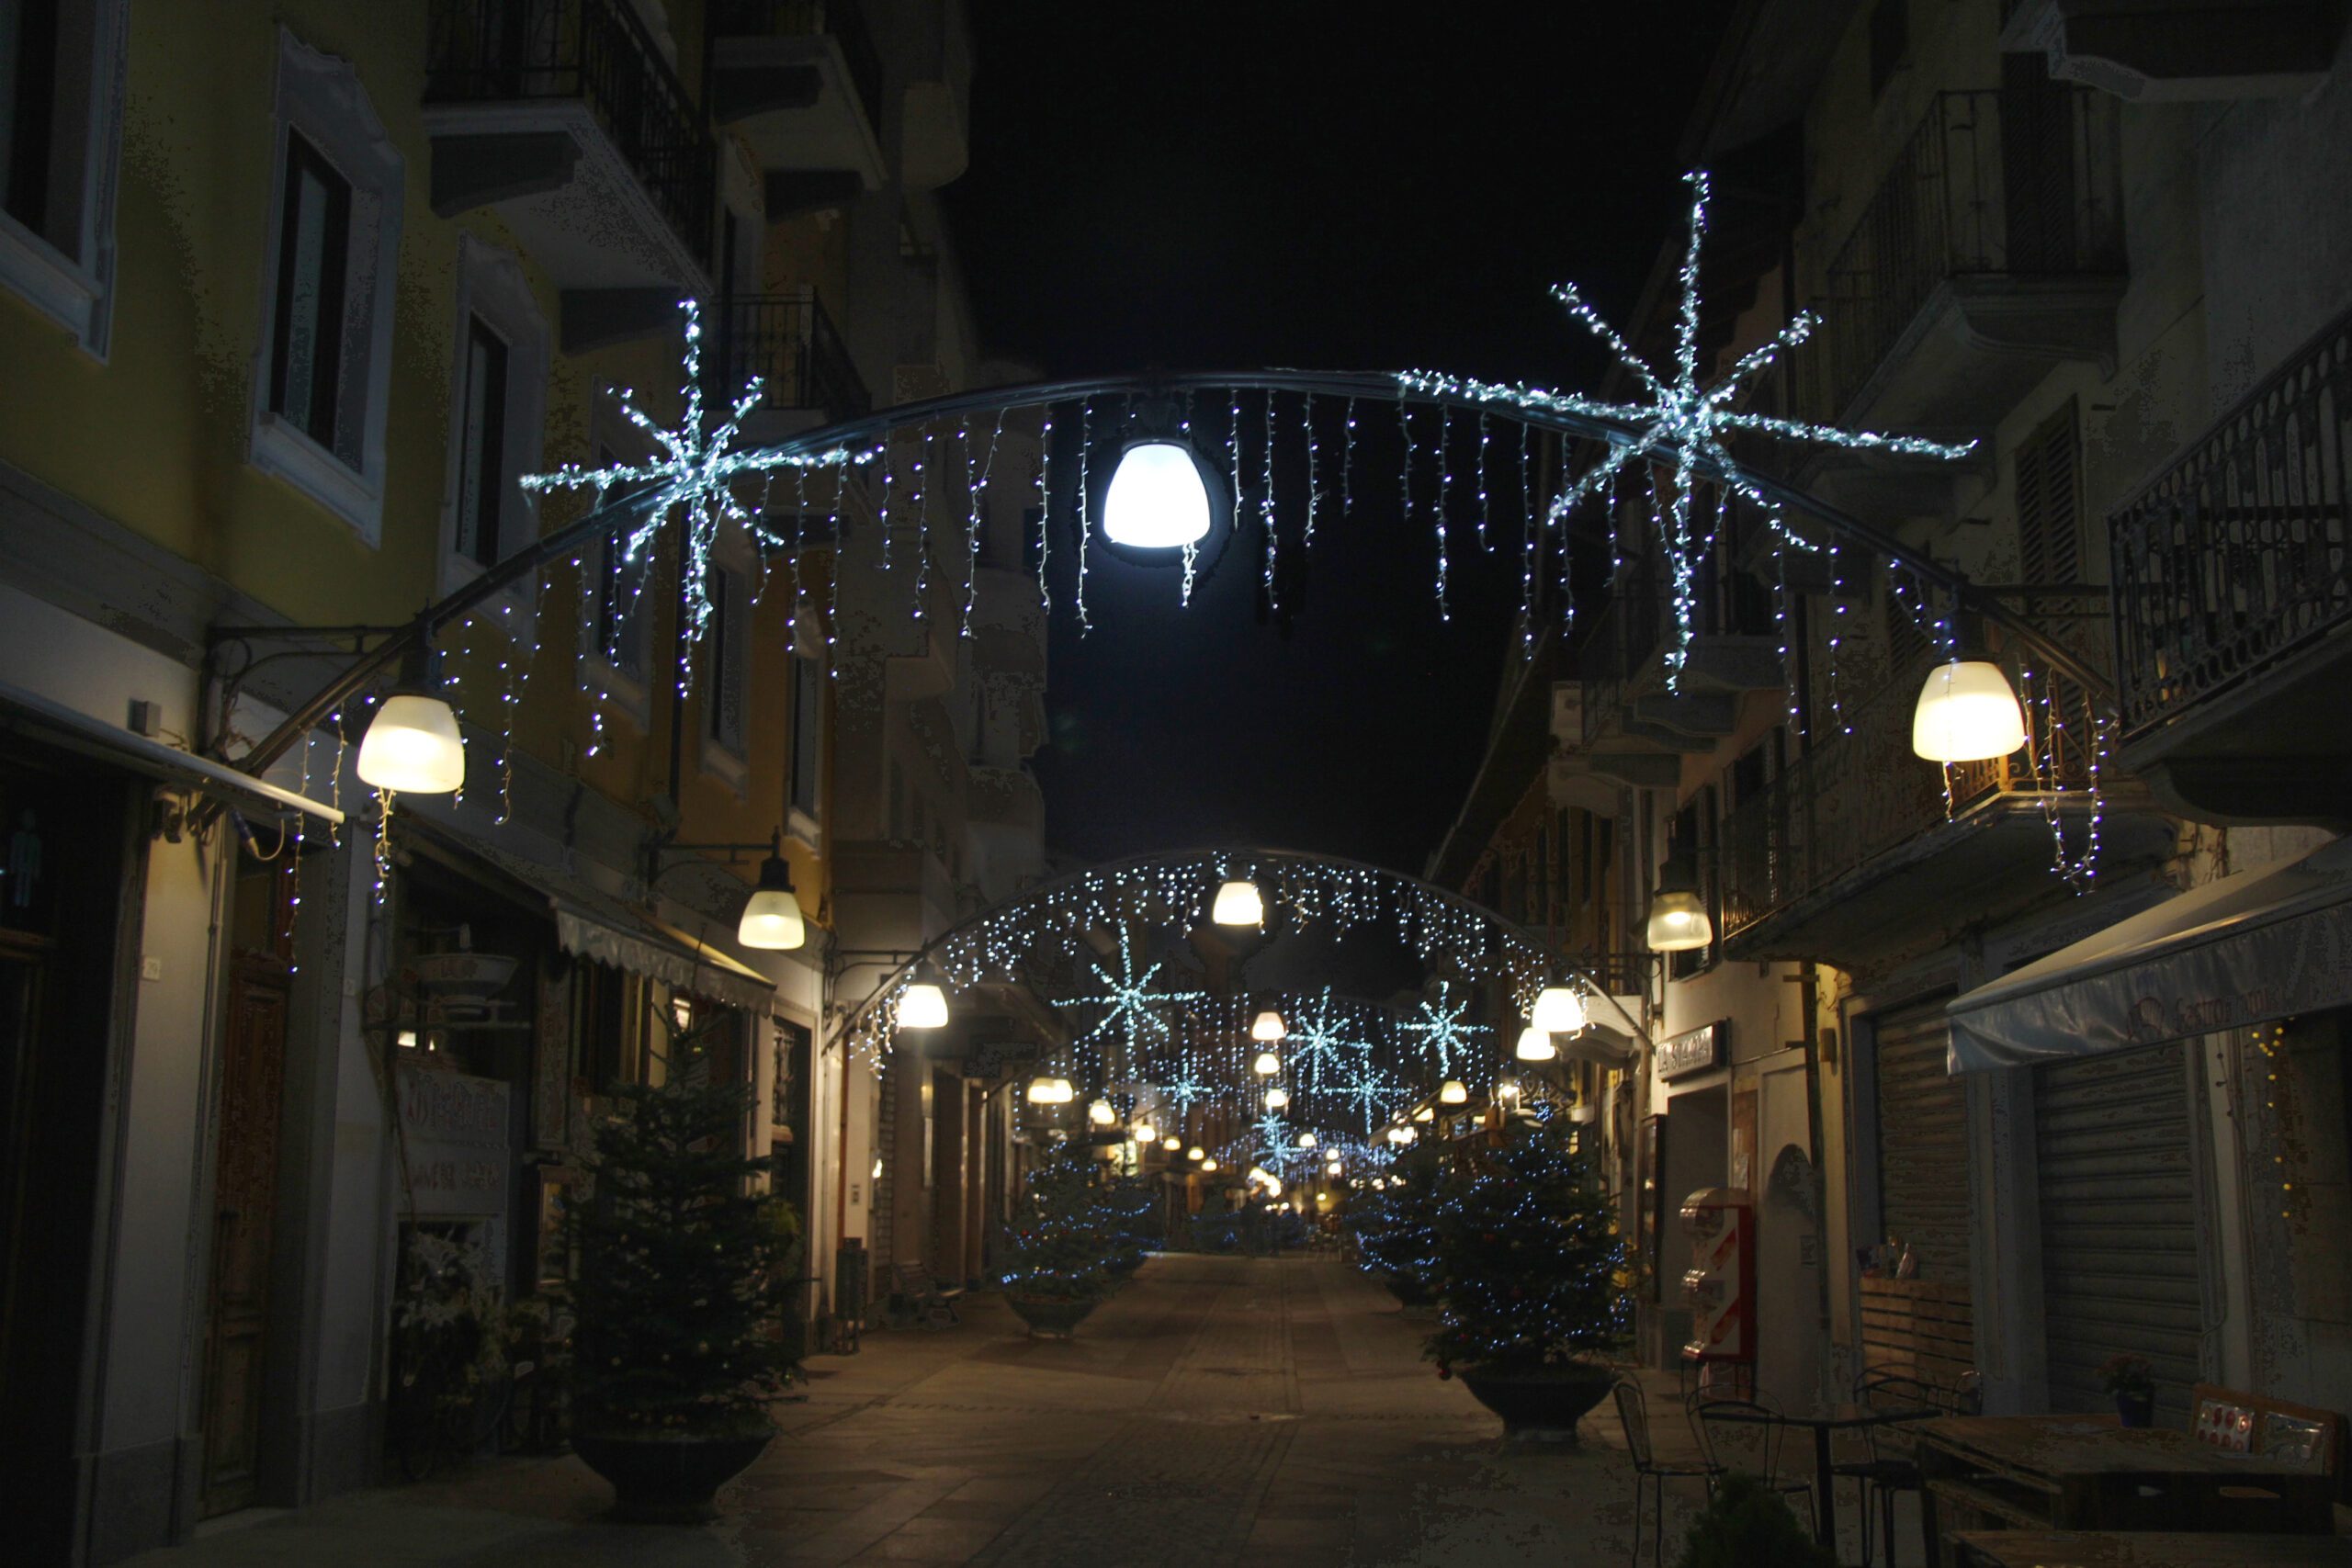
<point x="1266" y="511"/>
<point x="1045" y="503"/>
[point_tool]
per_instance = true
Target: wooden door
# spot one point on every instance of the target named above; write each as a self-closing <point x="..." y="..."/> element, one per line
<point x="244" y="1199"/>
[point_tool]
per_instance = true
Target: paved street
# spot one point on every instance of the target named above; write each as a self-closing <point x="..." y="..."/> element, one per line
<point x="1218" y="1411"/>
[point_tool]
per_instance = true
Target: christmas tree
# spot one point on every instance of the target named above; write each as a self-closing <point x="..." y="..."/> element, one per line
<point x="1129" y="1208"/>
<point x="1530" y="1269"/>
<point x="679" y="1255"/>
<point x="1394" y="1222"/>
<point x="1063" y="1239"/>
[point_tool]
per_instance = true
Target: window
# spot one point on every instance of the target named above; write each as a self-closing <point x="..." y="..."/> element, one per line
<point x="807" y="744"/>
<point x="2047" y="478"/>
<point x="481" y="444"/>
<point x="727" y="647"/>
<point x="497" y="414"/>
<point x="60" y="134"/>
<point x="1695" y="836"/>
<point x="313" y="255"/>
<point x="322" y="370"/>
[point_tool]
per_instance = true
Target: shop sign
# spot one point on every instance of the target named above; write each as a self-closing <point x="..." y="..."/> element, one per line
<point x="453" y="1135"/>
<point x="1693" y="1051"/>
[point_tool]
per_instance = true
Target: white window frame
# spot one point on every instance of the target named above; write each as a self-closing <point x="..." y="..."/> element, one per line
<point x="68" y="275"/>
<point x="729" y="762"/>
<point x="805" y="821"/>
<point x="319" y="97"/>
<point x="493" y="289"/>
<point x="599" y="676"/>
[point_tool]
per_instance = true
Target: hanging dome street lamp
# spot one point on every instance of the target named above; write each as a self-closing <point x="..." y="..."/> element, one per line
<point x="1048" y="1090"/>
<point x="1267" y="1065"/>
<point x="1307" y="1139"/>
<point x="1238" y="903"/>
<point x="1196" y="1154"/>
<point x="1144" y="1132"/>
<point x="1535" y="1045"/>
<point x="1268" y="1025"/>
<point x="1207" y="1166"/>
<point x="412" y="744"/>
<point x="1158" y="498"/>
<point x="1559" y="1010"/>
<point x="1966" y="713"/>
<point x="772" y="914"/>
<point x="923" y="1004"/>
<point x="1679" y="920"/>
<point x="1171" y="1143"/>
<point x="1454" y="1091"/>
<point x="1277" y="1096"/>
<point x="1101" y="1114"/>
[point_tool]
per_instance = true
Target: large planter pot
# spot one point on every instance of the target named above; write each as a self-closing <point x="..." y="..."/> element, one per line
<point x="2136" y="1409"/>
<point x="1052" y="1317"/>
<point x="667" y="1481"/>
<point x="1541" y="1406"/>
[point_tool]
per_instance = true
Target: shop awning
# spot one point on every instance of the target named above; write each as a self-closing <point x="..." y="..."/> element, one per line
<point x="2260" y="945"/>
<point x="29" y="713"/>
<point x="591" y="923"/>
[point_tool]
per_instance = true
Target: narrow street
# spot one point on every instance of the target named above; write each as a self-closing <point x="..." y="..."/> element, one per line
<point x="1219" y="1410"/>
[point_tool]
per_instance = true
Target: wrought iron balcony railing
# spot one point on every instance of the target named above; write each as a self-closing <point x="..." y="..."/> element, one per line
<point x="598" y="52"/>
<point x="2022" y="183"/>
<point x="2240" y="553"/>
<point x="788" y="341"/>
<point x="845" y="20"/>
<point x="1856" y="796"/>
<point x="1618" y="640"/>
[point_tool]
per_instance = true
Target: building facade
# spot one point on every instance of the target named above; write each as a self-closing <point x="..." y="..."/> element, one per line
<point x="292" y="296"/>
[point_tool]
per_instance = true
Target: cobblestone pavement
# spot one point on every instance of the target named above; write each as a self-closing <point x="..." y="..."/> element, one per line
<point x="1220" y="1410"/>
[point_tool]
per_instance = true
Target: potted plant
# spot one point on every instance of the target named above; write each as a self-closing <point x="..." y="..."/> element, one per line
<point x="1746" y="1525"/>
<point x="2133" y="1383"/>
<point x="1393" y="1223"/>
<point x="1062" y="1245"/>
<point x="1531" y="1281"/>
<point x="675" y="1354"/>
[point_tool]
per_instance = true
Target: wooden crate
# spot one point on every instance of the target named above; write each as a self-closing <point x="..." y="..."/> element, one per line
<point x="1921" y="1326"/>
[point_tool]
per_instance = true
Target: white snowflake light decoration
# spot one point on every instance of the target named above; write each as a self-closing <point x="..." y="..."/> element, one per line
<point x="695" y="470"/>
<point x="1135" y="1012"/>
<point x="1683" y="425"/>
<point x="1443" y="1031"/>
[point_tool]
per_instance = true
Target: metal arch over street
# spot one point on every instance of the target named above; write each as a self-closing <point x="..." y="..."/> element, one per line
<point x="1215" y="863"/>
<point x="1382" y="386"/>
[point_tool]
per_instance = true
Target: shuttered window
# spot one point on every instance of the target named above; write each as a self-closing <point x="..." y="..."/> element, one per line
<point x="1923" y="1142"/>
<point x="2119" y="1224"/>
<point x="727" y="637"/>
<point x="2048" y="481"/>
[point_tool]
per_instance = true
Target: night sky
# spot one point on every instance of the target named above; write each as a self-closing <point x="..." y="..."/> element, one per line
<point x="1321" y="185"/>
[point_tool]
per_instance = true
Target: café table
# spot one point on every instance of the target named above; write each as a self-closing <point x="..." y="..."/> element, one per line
<point x="2088" y="1473"/>
<point x="1842" y="1417"/>
<point x="2149" y="1548"/>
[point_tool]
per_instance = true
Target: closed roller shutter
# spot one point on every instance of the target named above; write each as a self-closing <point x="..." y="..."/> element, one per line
<point x="1922" y="1142"/>
<point x="2119" y="1224"/>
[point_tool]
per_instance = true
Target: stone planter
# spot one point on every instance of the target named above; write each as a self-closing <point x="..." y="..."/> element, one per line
<point x="1541" y="1406"/>
<point x="1051" y="1317"/>
<point x="667" y="1481"/>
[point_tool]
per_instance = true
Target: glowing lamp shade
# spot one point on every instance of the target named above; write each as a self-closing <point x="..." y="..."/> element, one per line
<point x="1157" y="499"/>
<point x="1171" y="1143"/>
<point x="1144" y="1131"/>
<point x="772" y="915"/>
<point x="1101" y="1113"/>
<point x="1966" y="714"/>
<point x="1268" y="1025"/>
<point x="412" y="746"/>
<point x="1208" y="1164"/>
<point x="1277" y="1096"/>
<point x="1454" y="1091"/>
<point x="1049" y="1092"/>
<point x="1535" y="1045"/>
<point x="1238" y="904"/>
<point x="1307" y="1139"/>
<point x="1679" y="921"/>
<point x="1267" y="1065"/>
<point x="1333" y="1168"/>
<point x="1425" y="1113"/>
<point x="1507" y="1090"/>
<point x="922" y="1006"/>
<point x="1401" y="1135"/>
<point x="1196" y="1154"/>
<point x="1559" y="1010"/>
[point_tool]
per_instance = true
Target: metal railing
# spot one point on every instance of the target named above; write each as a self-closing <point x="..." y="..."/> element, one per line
<point x="844" y="21"/>
<point x="1618" y="640"/>
<point x="599" y="52"/>
<point x="2239" y="553"/>
<point x="1859" y="795"/>
<point x="1991" y="182"/>
<point x="788" y="341"/>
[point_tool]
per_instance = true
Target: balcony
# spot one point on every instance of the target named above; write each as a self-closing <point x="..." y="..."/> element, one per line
<point x="2149" y="52"/>
<point x="563" y="116"/>
<point x="1991" y="251"/>
<point x="807" y="376"/>
<point x="1860" y="850"/>
<point x="800" y="81"/>
<point x="2234" y="606"/>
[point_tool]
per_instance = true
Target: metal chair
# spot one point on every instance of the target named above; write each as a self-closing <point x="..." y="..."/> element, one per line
<point x="1632" y="1414"/>
<point x="1891" y="1468"/>
<point x="1752" y="1430"/>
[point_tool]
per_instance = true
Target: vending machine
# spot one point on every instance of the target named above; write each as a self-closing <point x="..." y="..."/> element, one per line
<point x="1720" y="1285"/>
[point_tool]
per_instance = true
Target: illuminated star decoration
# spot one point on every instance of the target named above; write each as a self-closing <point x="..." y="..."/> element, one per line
<point x="1370" y="1089"/>
<point x="1136" y="1012"/>
<point x="693" y="469"/>
<point x="1442" y="1031"/>
<point x="1275" y="1143"/>
<point x="1681" y="418"/>
<point x="1321" y="1040"/>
